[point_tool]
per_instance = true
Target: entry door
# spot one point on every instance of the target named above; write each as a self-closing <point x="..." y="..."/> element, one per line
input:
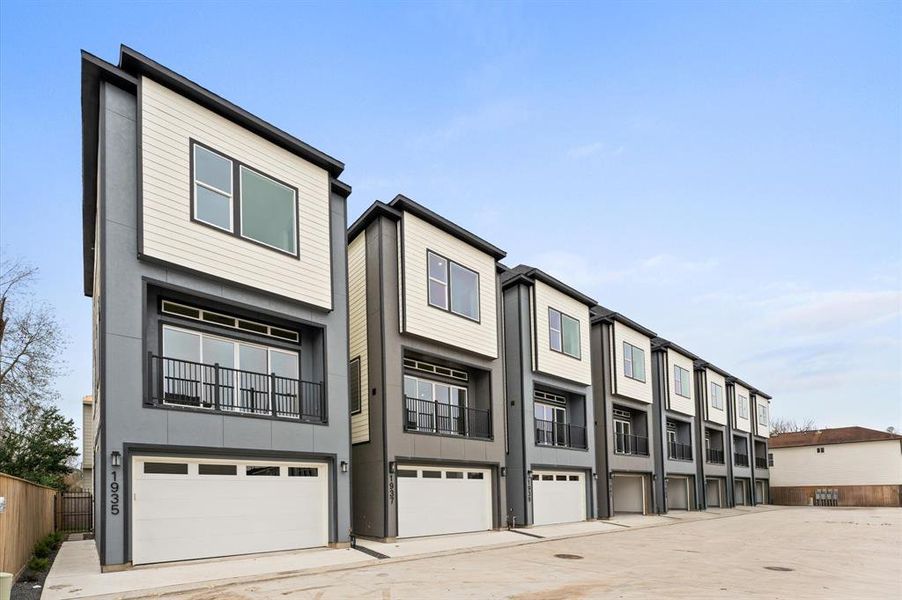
<point x="437" y="500"/>
<point x="186" y="508"/>
<point x="558" y="497"/>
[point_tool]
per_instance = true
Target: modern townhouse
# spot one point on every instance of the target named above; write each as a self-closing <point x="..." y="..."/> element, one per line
<point x="215" y="256"/>
<point x="427" y="376"/>
<point x="713" y="445"/>
<point x="550" y="414"/>
<point x="761" y="457"/>
<point x="623" y="396"/>
<point x="676" y="426"/>
<point x="740" y="431"/>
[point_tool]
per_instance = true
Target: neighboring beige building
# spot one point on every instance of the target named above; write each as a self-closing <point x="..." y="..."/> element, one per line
<point x="87" y="443"/>
<point x="846" y="466"/>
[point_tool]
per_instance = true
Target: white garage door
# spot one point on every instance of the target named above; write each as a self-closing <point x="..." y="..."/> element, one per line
<point x="759" y="492"/>
<point x="558" y="497"/>
<point x="184" y="508"/>
<point x="629" y="494"/>
<point x="437" y="500"/>
<point x="678" y="493"/>
<point x="712" y="492"/>
<point x="739" y="494"/>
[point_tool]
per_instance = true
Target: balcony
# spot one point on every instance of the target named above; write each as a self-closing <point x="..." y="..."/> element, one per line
<point x="189" y="385"/>
<point x="714" y="456"/>
<point x="429" y="416"/>
<point x="636" y="445"/>
<point x="760" y="462"/>
<point x="740" y="459"/>
<point x="564" y="435"/>
<point x="677" y="451"/>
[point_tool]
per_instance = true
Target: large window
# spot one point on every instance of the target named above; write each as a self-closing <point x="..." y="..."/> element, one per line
<point x="762" y="415"/>
<point x="549" y="422"/>
<point x="265" y="209"/>
<point x="633" y="362"/>
<point x="716" y="396"/>
<point x="434" y="406"/>
<point x="743" y="407"/>
<point x="453" y="287"/>
<point x="681" y="381"/>
<point x="563" y="333"/>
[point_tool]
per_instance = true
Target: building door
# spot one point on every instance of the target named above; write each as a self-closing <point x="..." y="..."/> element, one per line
<point x="437" y="500"/>
<point x="629" y="493"/>
<point x="558" y="497"/>
<point x="713" y="493"/>
<point x="739" y="493"/>
<point x="678" y="493"/>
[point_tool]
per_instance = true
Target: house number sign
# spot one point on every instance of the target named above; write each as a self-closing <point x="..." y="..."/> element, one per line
<point x="114" y="495"/>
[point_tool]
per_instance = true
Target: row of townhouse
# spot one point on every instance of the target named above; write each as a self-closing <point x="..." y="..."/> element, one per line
<point x="266" y="378"/>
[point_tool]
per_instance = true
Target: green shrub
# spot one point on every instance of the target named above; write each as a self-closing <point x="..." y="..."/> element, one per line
<point x="43" y="549"/>
<point x="57" y="537"/>
<point x="38" y="564"/>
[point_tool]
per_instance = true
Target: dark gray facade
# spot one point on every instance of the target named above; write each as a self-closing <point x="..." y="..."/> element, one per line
<point x="391" y="444"/>
<point x="528" y="447"/>
<point x="126" y="289"/>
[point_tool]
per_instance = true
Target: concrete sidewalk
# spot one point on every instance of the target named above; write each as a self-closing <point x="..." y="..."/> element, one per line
<point x="76" y="570"/>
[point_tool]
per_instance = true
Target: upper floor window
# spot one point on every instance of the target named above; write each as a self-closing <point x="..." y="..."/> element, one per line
<point x="770" y="459"/>
<point x="681" y="381"/>
<point x="563" y="333"/>
<point x="633" y="362"/>
<point x="716" y="396"/>
<point x="354" y="385"/>
<point x="261" y="209"/>
<point x="743" y="407"/>
<point x="762" y="415"/>
<point x="453" y="287"/>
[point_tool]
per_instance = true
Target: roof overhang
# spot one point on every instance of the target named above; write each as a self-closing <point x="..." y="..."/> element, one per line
<point x="659" y="343"/>
<point x="600" y="314"/>
<point x="528" y="275"/>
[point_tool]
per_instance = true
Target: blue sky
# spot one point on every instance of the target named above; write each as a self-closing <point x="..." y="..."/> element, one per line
<point x="727" y="174"/>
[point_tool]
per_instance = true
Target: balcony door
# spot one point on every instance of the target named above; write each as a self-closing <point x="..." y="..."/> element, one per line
<point x="551" y="424"/>
<point x="623" y="437"/>
<point x="435" y="406"/>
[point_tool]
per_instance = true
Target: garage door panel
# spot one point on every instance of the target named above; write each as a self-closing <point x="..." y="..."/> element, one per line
<point x="629" y="494"/>
<point x="178" y="517"/>
<point x="558" y="497"/>
<point x="678" y="493"/>
<point x="435" y="506"/>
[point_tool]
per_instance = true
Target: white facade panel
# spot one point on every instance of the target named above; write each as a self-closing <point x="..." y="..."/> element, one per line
<point x="680" y="403"/>
<point x="854" y="463"/>
<point x="418" y="317"/>
<point x="715" y="414"/>
<point x="558" y="497"/>
<point x="743" y="416"/>
<point x="168" y="122"/>
<point x="457" y="500"/>
<point x="628" y="386"/>
<point x="360" y="430"/>
<point x="545" y="359"/>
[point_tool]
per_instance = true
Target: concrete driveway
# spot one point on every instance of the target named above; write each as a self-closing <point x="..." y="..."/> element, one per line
<point x="785" y="553"/>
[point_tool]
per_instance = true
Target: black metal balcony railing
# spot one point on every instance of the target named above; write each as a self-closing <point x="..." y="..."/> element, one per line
<point x="175" y="382"/>
<point x="565" y="435"/>
<point x="714" y="456"/>
<point x="760" y="462"/>
<point x="740" y="459"/>
<point x="625" y="443"/>
<point x="449" y="419"/>
<point x="678" y="451"/>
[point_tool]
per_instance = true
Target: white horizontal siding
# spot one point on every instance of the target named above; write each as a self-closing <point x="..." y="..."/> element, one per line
<point x="547" y="360"/>
<point x="418" y="317"/>
<point x="679" y="403"/>
<point x="856" y="463"/>
<point x="740" y="423"/>
<point x="360" y="430"/>
<point x="627" y="386"/>
<point x="168" y="122"/>
<point x="716" y="415"/>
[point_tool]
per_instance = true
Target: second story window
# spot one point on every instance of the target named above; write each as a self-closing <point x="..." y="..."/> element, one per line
<point x="452" y="286"/>
<point x="681" y="381"/>
<point x="743" y="407"/>
<point x="261" y="209"/>
<point x="716" y="396"/>
<point x="633" y="362"/>
<point x="563" y="333"/>
<point x="762" y="415"/>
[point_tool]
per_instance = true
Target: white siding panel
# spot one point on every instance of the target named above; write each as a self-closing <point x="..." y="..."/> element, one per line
<point x="168" y="122"/>
<point x="742" y="424"/>
<point x="677" y="402"/>
<point x="716" y="415"/>
<point x="627" y="386"/>
<point x="360" y="430"/>
<point x="857" y="463"/>
<point x="557" y="363"/>
<point x="418" y="317"/>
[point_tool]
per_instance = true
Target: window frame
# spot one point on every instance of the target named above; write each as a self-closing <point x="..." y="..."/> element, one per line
<point x="235" y="213"/>
<point x="351" y="377"/>
<point x="579" y="334"/>
<point x="677" y="388"/>
<point x="714" y="397"/>
<point x="742" y="406"/>
<point x="449" y="283"/>
<point x="632" y="361"/>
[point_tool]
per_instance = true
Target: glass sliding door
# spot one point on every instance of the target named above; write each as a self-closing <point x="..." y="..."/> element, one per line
<point x="435" y="406"/>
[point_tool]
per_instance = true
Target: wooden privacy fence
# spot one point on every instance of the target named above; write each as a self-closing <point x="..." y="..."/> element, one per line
<point x="27" y="518"/>
<point x="838" y="495"/>
<point x="75" y="512"/>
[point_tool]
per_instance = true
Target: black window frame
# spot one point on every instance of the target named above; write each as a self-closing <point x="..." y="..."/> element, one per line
<point x="448" y="286"/>
<point x="355" y="381"/>
<point x="633" y="362"/>
<point x="235" y="231"/>
<point x="677" y="391"/>
<point x="579" y="334"/>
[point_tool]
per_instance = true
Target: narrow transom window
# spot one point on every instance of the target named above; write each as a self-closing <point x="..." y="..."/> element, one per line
<point x="563" y="333"/>
<point x="681" y="381"/>
<point x="212" y="188"/>
<point x="452" y="286"/>
<point x="633" y="362"/>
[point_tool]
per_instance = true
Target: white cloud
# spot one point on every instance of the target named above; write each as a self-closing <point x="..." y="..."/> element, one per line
<point x="593" y="149"/>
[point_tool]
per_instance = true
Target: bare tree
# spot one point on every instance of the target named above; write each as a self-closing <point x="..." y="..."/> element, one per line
<point x="31" y="342"/>
<point x="778" y="426"/>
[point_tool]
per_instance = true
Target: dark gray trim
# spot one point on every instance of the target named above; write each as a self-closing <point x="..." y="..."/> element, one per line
<point x="387" y="475"/>
<point x="602" y="314"/>
<point x="661" y="343"/>
<point x="340" y="188"/>
<point x="527" y="274"/>
<point x="100" y="175"/>
<point x="376" y="209"/>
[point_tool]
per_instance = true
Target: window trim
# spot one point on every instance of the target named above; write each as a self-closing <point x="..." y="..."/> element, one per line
<point x="631" y="374"/>
<point x="195" y="182"/>
<point x="579" y="334"/>
<point x="448" y="285"/>
<point x="714" y="385"/>
<point x="351" y="366"/>
<point x="676" y="370"/>
<point x="742" y="406"/>
<point x="235" y="215"/>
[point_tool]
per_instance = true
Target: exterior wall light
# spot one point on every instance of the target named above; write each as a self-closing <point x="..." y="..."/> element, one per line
<point x="344" y="466"/>
<point x="504" y="471"/>
<point x="391" y="467"/>
<point x="115" y="458"/>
